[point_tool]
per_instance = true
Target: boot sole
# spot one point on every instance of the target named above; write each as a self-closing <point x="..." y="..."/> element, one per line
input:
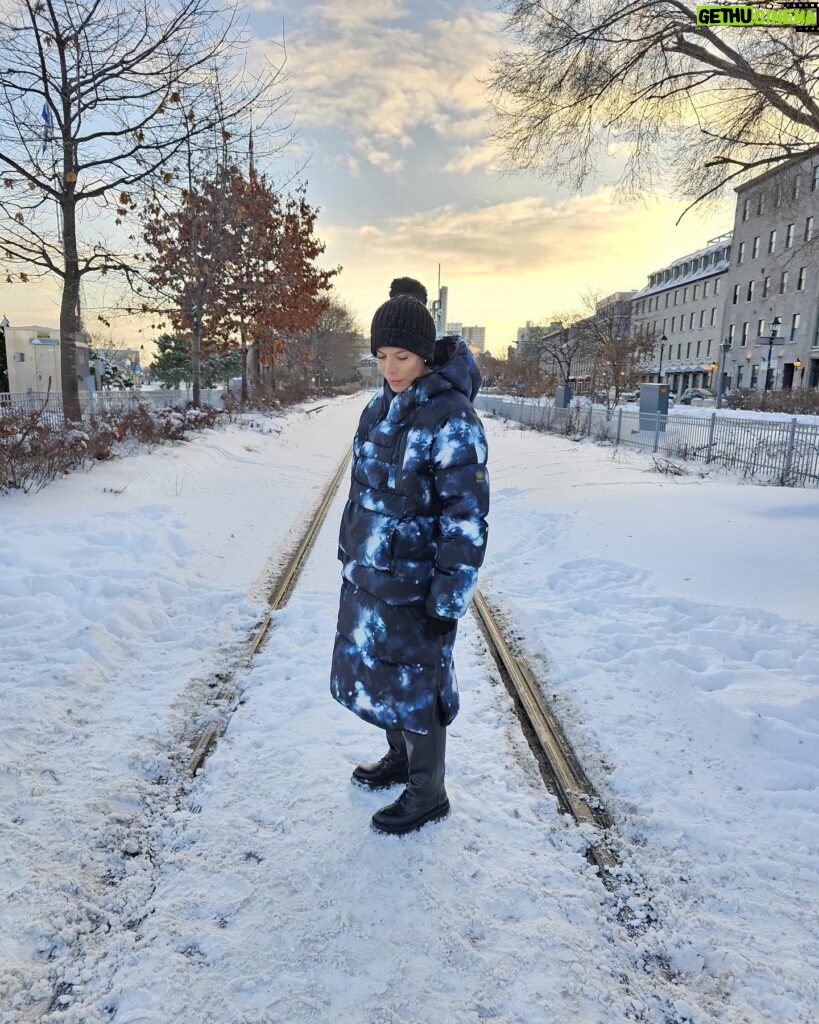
<point x="402" y="830"/>
<point x="363" y="784"/>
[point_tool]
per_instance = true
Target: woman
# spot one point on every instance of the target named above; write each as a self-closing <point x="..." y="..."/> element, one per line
<point x="413" y="536"/>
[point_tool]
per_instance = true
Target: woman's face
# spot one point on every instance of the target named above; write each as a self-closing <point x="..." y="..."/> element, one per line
<point x="400" y="367"/>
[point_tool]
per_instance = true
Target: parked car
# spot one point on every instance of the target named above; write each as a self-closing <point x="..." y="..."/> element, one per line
<point x="705" y="394"/>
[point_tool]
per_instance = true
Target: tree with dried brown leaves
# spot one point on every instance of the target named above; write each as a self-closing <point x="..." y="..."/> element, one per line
<point x="97" y="100"/>
<point x="234" y="263"/>
<point x="716" y="104"/>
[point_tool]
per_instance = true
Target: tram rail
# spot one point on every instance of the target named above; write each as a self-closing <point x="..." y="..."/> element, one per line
<point x="560" y="767"/>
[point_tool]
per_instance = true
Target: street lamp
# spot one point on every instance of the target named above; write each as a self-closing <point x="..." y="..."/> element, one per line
<point x="772" y="339"/>
<point x="726" y="347"/>
<point x="663" y="343"/>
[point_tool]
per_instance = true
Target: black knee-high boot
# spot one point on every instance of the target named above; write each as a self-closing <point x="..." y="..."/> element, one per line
<point x="390" y="770"/>
<point x="425" y="797"/>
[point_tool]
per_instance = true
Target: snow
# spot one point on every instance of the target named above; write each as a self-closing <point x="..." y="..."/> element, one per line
<point x="673" y="622"/>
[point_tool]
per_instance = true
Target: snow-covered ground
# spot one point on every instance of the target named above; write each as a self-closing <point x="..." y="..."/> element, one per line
<point x="684" y="664"/>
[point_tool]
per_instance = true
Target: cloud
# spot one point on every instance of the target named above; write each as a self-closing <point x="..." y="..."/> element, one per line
<point x="509" y="262"/>
<point x="377" y="76"/>
<point x="468" y="159"/>
<point x="356" y="14"/>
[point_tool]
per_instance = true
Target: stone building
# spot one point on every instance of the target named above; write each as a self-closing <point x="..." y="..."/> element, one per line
<point x="682" y="308"/>
<point x="774" y="272"/>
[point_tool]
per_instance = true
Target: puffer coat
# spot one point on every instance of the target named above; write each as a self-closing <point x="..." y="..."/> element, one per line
<point x="413" y="536"/>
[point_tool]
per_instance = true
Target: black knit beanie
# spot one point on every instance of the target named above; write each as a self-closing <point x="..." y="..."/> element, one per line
<point x="404" y="322"/>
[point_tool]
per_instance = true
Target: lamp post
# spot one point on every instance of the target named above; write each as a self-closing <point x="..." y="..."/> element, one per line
<point x="772" y="339"/>
<point x="663" y="343"/>
<point x="725" y="346"/>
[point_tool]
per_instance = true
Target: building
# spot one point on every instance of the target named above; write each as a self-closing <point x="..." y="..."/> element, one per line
<point x="476" y="336"/>
<point x="681" y="307"/>
<point x="612" y="319"/>
<point x="530" y="338"/>
<point x="774" y="272"/>
<point x="34" y="363"/>
<point x="453" y="327"/>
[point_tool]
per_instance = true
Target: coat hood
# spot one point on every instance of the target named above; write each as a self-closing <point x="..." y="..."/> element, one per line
<point x="456" y="364"/>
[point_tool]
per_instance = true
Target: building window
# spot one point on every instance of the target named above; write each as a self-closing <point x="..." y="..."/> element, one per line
<point x="760" y="328"/>
<point x="690" y="321"/>
<point x="685" y="294"/>
<point x="696" y="290"/>
<point x="815" y="180"/>
<point x="673" y="322"/>
<point x="705" y="290"/>
<point x="760" y="204"/>
<point x="716" y="286"/>
<point x="797" y="186"/>
<point x="795" y="325"/>
<point x="755" y="249"/>
<point x="744" y="338"/>
<point x="800" y="284"/>
<point x="666" y="300"/>
<point x="688" y="350"/>
<point x="809" y="229"/>
<point x="731" y="332"/>
<point x="789" y="236"/>
<point x="740" y="253"/>
<point x="702" y="317"/>
<point x="739" y="376"/>
<point x="665" y="321"/>
<point x="772" y="241"/>
<point x="778" y="195"/>
<point x="735" y="299"/>
<point x="746" y="209"/>
<point x="676" y="294"/>
<point x="783" y="282"/>
<point x="750" y="296"/>
<point x="679" y="351"/>
<point x="699" y="346"/>
<point x="708" y="349"/>
<point x="766" y="288"/>
<point x="713" y="315"/>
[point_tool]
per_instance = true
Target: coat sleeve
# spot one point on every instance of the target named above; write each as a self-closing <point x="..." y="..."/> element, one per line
<point x="461" y="480"/>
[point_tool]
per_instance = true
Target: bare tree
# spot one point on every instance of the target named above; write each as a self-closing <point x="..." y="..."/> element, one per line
<point x="558" y="348"/>
<point x="721" y="104"/>
<point x="616" y="351"/>
<point x="98" y="98"/>
<point x="332" y="345"/>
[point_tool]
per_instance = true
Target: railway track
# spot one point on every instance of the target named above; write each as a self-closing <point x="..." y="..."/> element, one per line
<point x="222" y="694"/>
<point x="560" y="768"/>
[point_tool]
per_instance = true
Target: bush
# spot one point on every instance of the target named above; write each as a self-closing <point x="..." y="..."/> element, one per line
<point x="800" y="402"/>
<point x="34" y="451"/>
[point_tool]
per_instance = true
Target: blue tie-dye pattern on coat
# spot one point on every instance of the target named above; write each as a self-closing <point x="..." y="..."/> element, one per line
<point x="413" y="536"/>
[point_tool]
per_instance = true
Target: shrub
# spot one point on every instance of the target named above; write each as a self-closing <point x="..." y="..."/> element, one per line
<point x="34" y="450"/>
<point x="799" y="402"/>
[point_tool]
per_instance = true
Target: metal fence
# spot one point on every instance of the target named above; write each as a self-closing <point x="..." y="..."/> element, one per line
<point x="786" y="452"/>
<point x="50" y="404"/>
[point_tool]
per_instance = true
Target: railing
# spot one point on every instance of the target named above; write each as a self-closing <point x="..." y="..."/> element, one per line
<point x="51" y="403"/>
<point x="785" y="451"/>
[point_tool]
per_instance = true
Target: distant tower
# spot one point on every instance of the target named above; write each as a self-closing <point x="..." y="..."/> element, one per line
<point x="443" y="293"/>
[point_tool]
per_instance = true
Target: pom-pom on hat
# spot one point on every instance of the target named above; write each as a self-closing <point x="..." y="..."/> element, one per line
<point x="408" y="286"/>
<point x="404" y="322"/>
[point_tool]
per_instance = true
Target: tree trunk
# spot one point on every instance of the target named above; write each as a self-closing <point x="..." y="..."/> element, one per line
<point x="196" y="362"/>
<point x="68" y="314"/>
<point x="243" y="337"/>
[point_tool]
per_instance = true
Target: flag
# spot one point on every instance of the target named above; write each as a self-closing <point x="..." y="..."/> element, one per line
<point x="46" y="116"/>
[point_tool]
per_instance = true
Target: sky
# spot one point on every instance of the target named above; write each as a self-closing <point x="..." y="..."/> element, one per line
<point x="392" y="129"/>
